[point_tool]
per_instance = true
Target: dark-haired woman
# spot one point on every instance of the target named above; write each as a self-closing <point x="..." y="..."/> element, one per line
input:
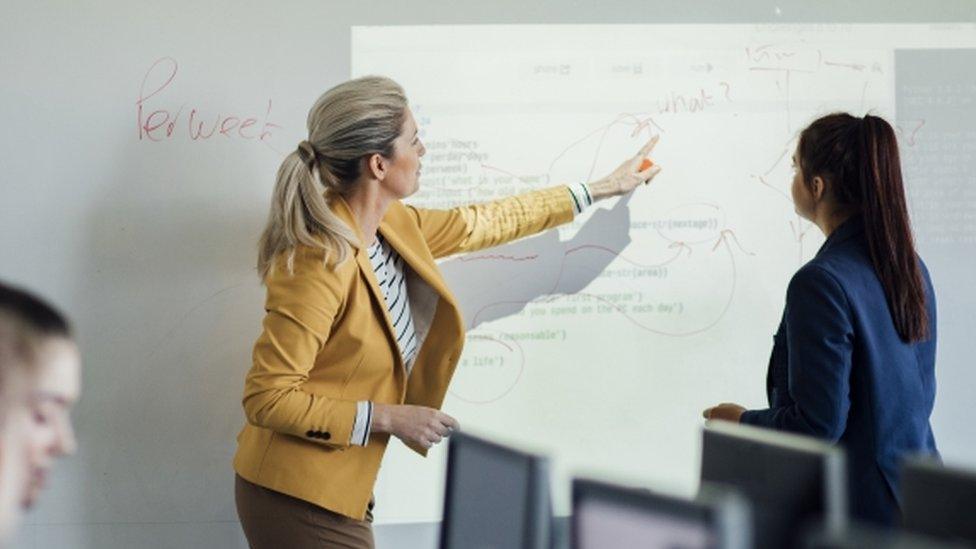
<point x="853" y="360"/>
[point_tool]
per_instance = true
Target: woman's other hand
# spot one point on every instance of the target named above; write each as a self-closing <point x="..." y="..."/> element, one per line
<point x="725" y="411"/>
<point x="418" y="425"/>
<point x="627" y="176"/>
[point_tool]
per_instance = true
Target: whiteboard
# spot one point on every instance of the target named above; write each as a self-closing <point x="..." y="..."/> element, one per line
<point x="149" y="242"/>
<point x="600" y="343"/>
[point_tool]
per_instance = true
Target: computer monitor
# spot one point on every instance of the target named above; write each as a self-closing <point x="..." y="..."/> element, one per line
<point x="496" y="497"/>
<point x="864" y="536"/>
<point x="938" y="500"/>
<point x="790" y="480"/>
<point x="607" y="515"/>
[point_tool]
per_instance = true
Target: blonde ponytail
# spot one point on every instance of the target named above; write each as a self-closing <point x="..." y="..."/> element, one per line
<point x="300" y="215"/>
<point x="348" y="123"/>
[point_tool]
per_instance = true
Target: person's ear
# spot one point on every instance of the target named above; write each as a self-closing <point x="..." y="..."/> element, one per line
<point x="818" y="188"/>
<point x="377" y="166"/>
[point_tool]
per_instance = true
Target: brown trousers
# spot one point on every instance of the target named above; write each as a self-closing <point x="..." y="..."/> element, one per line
<point x="272" y="520"/>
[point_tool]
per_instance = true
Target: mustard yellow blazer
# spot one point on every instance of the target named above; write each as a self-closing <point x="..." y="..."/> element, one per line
<point x="328" y="342"/>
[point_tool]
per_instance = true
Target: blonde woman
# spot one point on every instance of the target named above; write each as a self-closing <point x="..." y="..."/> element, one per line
<point x="361" y="335"/>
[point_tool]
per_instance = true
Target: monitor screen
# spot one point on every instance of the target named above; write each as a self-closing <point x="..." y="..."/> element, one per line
<point x="939" y="500"/>
<point x="865" y="536"/>
<point x="790" y="480"/>
<point x="631" y="518"/>
<point x="496" y="497"/>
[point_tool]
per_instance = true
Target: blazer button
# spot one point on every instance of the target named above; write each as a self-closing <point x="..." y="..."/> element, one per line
<point x="326" y="436"/>
<point x="310" y="434"/>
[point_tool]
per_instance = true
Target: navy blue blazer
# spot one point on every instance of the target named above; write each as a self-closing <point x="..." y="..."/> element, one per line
<point x="839" y="371"/>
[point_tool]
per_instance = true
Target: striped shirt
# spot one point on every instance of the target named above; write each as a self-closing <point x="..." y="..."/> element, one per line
<point x="390" y="271"/>
<point x="581" y="197"/>
<point x="391" y="275"/>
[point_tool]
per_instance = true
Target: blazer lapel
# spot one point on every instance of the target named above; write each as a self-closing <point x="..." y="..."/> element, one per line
<point x="425" y="270"/>
<point x="341" y="209"/>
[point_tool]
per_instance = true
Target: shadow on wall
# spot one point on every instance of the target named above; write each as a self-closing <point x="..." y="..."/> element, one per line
<point x="502" y="281"/>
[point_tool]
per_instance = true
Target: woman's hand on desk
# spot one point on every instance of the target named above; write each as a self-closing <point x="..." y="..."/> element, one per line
<point x="725" y="411"/>
<point x="413" y="424"/>
<point x="628" y="176"/>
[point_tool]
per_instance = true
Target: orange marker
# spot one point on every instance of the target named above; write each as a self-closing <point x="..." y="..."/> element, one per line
<point x="645" y="163"/>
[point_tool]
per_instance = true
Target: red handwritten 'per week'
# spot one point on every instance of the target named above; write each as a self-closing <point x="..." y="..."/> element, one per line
<point x="162" y="124"/>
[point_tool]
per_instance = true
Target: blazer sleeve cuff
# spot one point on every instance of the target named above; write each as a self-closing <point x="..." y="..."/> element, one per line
<point x="361" y="426"/>
<point x="336" y="429"/>
<point x="581" y="196"/>
<point x="758" y="418"/>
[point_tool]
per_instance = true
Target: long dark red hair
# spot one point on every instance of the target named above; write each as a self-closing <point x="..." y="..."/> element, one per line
<point x="858" y="159"/>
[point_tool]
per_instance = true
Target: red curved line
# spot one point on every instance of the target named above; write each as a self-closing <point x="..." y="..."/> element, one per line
<point x="912" y="140"/>
<point x="735" y="238"/>
<point x="620" y="256"/>
<point x="762" y="180"/>
<point x="599" y="146"/>
<point x="605" y="129"/>
<point x="518" y="377"/>
<point x="142" y="87"/>
<point x="500" y="257"/>
<point x="574" y="143"/>
<point x="776" y="163"/>
<point x="711" y="325"/>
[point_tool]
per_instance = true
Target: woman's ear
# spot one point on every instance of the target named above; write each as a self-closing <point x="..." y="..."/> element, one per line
<point x="376" y="166"/>
<point x="818" y="188"/>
